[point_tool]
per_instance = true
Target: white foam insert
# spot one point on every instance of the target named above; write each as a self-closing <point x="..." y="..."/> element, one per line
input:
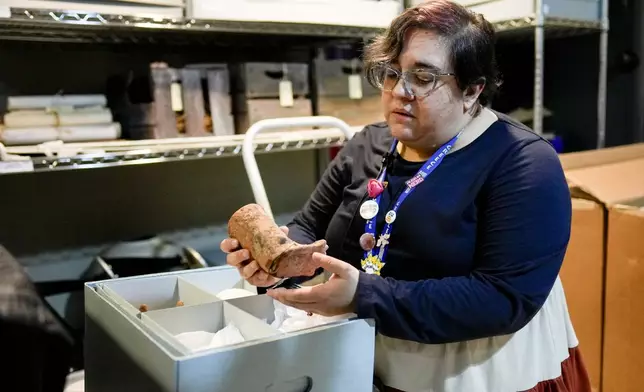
<point x="289" y="320"/>
<point x="209" y="317"/>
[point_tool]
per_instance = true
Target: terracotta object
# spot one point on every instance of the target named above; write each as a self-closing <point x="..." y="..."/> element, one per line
<point x="143" y="308"/>
<point x="274" y="252"/>
<point x="179" y="303"/>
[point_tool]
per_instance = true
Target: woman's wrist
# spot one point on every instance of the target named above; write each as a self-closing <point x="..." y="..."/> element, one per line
<point x="363" y="303"/>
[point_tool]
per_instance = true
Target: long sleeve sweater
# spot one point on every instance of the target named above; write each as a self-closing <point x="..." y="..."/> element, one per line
<point x="474" y="250"/>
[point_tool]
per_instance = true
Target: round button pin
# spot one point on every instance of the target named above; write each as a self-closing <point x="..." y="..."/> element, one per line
<point x="390" y="217"/>
<point x="367" y="241"/>
<point x="369" y="209"/>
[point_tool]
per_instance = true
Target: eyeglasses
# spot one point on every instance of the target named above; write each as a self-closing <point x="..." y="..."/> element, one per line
<point x="418" y="83"/>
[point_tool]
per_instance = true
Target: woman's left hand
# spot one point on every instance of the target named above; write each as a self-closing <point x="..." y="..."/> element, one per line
<point x="332" y="298"/>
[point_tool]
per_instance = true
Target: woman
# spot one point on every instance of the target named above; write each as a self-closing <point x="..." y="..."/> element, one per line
<point x="453" y="242"/>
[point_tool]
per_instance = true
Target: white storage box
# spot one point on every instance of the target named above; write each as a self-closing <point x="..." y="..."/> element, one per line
<point x="502" y="10"/>
<point x="363" y="13"/>
<point x="178" y="348"/>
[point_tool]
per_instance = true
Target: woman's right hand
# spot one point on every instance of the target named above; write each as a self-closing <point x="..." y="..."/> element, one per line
<point x="248" y="268"/>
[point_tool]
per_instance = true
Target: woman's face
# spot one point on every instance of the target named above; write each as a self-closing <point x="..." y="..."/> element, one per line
<point x="429" y="121"/>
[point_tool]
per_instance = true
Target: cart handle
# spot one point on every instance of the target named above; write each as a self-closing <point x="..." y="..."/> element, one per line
<point x="248" y="151"/>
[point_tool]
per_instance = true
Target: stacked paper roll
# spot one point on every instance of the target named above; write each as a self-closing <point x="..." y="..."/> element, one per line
<point x="80" y="133"/>
<point x="70" y="118"/>
<point x="39" y="118"/>
<point x="55" y="101"/>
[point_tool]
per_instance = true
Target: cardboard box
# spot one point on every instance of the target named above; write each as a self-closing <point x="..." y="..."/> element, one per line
<point x="127" y="350"/>
<point x="333" y="77"/>
<point x="260" y="97"/>
<point x="623" y="368"/>
<point x="262" y="109"/>
<point x="355" y="112"/>
<point x="607" y="187"/>
<point x="179" y="104"/>
<point x="262" y="80"/>
<point x="582" y="275"/>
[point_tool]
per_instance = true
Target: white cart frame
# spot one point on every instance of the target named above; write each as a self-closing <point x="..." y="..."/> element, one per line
<point x="248" y="148"/>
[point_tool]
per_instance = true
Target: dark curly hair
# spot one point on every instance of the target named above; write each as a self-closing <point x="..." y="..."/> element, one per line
<point x="471" y="40"/>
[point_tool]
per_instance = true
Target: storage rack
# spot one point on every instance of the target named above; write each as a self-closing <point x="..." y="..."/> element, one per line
<point x="119" y="153"/>
<point x="541" y="24"/>
<point x="75" y="26"/>
<point x="84" y="27"/>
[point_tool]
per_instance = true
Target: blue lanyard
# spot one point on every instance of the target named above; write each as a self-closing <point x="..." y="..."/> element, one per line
<point x="370" y="226"/>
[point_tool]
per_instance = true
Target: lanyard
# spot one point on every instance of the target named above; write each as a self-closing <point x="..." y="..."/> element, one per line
<point x="373" y="263"/>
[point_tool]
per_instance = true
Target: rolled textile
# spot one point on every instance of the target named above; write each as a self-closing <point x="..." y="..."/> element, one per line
<point x="49" y="101"/>
<point x="80" y="133"/>
<point x="28" y="136"/>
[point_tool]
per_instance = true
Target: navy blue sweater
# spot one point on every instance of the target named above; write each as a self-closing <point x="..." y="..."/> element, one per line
<point x="474" y="250"/>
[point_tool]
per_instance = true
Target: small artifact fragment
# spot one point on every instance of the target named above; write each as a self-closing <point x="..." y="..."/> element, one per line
<point x="179" y="303"/>
<point x="143" y="308"/>
<point x="274" y="252"/>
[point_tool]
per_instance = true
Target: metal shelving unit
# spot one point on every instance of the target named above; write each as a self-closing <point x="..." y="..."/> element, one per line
<point x="65" y="26"/>
<point x="72" y="156"/>
<point x="541" y="27"/>
<point x="555" y="26"/>
<point x="85" y="27"/>
<point x="75" y="26"/>
<point x="92" y="27"/>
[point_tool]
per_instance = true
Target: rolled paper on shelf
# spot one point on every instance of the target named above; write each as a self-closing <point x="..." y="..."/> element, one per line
<point x="29" y="119"/>
<point x="78" y="133"/>
<point x="41" y="118"/>
<point x="274" y="252"/>
<point x="47" y="101"/>
<point x="27" y="136"/>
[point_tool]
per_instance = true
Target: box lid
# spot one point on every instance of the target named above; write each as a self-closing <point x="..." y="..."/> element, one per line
<point x="618" y="182"/>
<point x="610" y="176"/>
<point x="582" y="159"/>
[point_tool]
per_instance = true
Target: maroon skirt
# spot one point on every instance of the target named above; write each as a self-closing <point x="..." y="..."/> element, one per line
<point x="574" y="376"/>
